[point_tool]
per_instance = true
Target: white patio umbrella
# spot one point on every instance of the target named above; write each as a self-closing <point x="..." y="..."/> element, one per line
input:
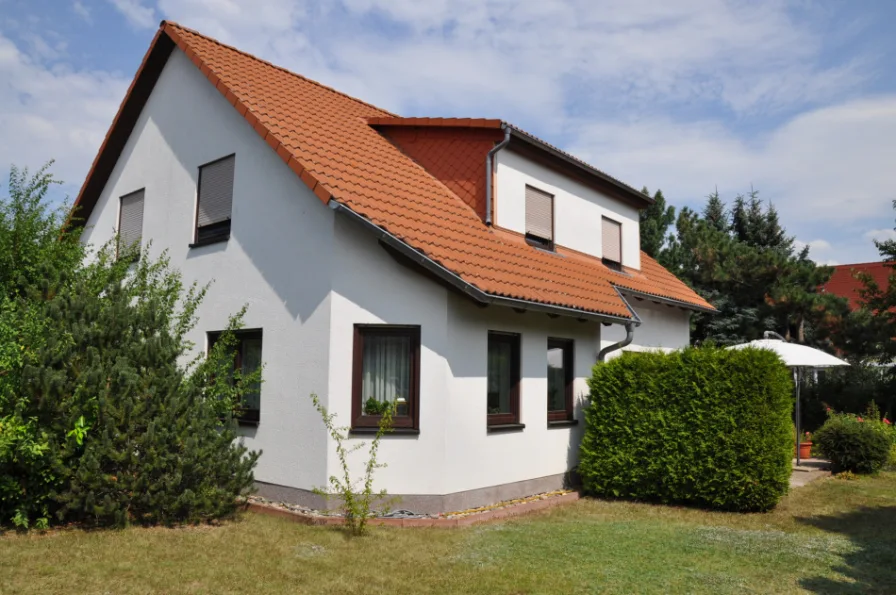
<point x="798" y="358"/>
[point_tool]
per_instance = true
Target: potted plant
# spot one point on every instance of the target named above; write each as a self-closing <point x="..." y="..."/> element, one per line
<point x="805" y="445"/>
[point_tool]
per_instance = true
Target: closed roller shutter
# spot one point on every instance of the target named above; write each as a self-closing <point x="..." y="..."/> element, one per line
<point x="539" y="213"/>
<point x="612" y="240"/>
<point x="215" y="191"/>
<point x="130" y="220"/>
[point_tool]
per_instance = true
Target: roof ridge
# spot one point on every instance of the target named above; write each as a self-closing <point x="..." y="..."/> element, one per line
<point x="166" y="23"/>
<point x="859" y="264"/>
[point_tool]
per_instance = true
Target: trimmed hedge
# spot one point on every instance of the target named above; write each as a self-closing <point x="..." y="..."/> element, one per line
<point x="853" y="444"/>
<point x="703" y="426"/>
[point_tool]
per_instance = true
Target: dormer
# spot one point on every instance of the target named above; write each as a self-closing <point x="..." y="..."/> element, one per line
<point x="546" y="196"/>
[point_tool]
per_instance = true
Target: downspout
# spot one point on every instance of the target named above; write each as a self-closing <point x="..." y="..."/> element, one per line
<point x="629" y="337"/>
<point x="489" y="178"/>
<point x="629" y="330"/>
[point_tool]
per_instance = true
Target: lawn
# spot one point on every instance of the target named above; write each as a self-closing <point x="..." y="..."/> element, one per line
<point x="833" y="536"/>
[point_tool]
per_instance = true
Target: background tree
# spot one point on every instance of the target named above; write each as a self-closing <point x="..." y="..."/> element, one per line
<point x="655" y="222"/>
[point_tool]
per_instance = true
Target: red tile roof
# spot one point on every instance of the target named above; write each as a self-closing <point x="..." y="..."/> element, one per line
<point x="844" y="282"/>
<point x="325" y="137"/>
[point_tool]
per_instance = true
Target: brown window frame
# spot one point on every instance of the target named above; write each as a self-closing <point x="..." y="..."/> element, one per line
<point x="536" y="240"/>
<point x="615" y="265"/>
<point x="120" y="213"/>
<point x="247" y="416"/>
<point x="513" y="417"/>
<point x="568" y="347"/>
<point x="214" y="232"/>
<point x="360" y="420"/>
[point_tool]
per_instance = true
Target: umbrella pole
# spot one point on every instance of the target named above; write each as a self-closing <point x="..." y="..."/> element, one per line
<point x="797" y="375"/>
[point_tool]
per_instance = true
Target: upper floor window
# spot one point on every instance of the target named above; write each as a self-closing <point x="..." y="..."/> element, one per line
<point x="386" y="373"/>
<point x="215" y="200"/>
<point x="612" y="243"/>
<point x="130" y="221"/>
<point x="539" y="218"/>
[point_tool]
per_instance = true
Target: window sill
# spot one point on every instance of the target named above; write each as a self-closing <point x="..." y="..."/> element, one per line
<point x="369" y="431"/>
<point x="563" y="423"/>
<point x="209" y="241"/>
<point x="505" y="428"/>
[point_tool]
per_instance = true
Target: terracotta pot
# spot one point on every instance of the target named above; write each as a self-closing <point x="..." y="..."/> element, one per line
<point x="805" y="450"/>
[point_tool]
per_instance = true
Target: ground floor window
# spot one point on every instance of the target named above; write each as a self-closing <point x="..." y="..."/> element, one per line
<point x="386" y="373"/>
<point x="560" y="379"/>
<point x="247" y="360"/>
<point x="503" y="378"/>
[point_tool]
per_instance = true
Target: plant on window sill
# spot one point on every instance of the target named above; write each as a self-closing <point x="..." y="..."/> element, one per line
<point x="356" y="506"/>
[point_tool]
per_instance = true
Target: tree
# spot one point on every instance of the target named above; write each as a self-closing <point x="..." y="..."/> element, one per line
<point x="99" y="420"/>
<point x="878" y="311"/>
<point x="744" y="263"/>
<point x="655" y="222"/>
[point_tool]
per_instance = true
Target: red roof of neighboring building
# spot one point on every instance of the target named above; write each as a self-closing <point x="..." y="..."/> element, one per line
<point x="326" y="138"/>
<point x="844" y="281"/>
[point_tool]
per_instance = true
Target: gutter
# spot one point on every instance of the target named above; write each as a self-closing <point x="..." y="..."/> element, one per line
<point x="471" y="290"/>
<point x="666" y="300"/>
<point x="489" y="171"/>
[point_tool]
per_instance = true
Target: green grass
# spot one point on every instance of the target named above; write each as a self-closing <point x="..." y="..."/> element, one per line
<point x="832" y="536"/>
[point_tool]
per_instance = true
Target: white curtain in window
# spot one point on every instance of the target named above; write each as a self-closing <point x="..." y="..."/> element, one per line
<point x="387" y="368"/>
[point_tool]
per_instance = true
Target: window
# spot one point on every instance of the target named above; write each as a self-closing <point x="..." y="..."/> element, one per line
<point x="612" y="243"/>
<point x="560" y="379"/>
<point x="248" y="359"/>
<point x="539" y="218"/>
<point x="386" y="371"/>
<point x="130" y="221"/>
<point x="503" y="379"/>
<point x="215" y="201"/>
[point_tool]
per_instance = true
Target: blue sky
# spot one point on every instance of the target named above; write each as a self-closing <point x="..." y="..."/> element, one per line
<point x="796" y="98"/>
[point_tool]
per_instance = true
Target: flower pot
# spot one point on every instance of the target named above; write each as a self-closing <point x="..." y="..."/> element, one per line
<point x="805" y="450"/>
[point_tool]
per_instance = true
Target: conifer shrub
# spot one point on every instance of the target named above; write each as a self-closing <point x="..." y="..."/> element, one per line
<point x="704" y="426"/>
<point x="105" y="418"/>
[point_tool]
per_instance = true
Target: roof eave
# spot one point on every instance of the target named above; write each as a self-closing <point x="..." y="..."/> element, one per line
<point x="471" y="290"/>
<point x="666" y="300"/>
<point x="639" y="198"/>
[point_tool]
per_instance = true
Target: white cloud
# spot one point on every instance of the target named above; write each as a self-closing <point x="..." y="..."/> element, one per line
<point x="82" y="11"/>
<point x="138" y="15"/>
<point x="880" y="235"/>
<point x="53" y="112"/>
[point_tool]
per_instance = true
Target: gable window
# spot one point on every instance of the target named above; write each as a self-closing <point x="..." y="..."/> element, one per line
<point x="215" y="201"/>
<point x="503" y="379"/>
<point x="247" y="360"/>
<point x="130" y="222"/>
<point x="612" y="243"/>
<point x="560" y="379"/>
<point x="386" y="372"/>
<point x="539" y="218"/>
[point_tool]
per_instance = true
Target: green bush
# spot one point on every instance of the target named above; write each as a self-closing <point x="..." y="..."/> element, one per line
<point x="703" y="426"/>
<point x="103" y="418"/>
<point x="855" y="443"/>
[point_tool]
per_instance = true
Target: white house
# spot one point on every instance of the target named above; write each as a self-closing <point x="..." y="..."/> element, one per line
<point x="464" y="270"/>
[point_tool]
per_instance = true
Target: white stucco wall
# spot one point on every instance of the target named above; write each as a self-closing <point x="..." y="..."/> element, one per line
<point x="577" y="208"/>
<point x="662" y="327"/>
<point x="453" y="451"/>
<point x="278" y="258"/>
<point x="309" y="275"/>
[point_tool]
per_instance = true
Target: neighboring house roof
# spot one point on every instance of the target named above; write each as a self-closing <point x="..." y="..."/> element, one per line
<point x="845" y="282"/>
<point x="325" y="137"/>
